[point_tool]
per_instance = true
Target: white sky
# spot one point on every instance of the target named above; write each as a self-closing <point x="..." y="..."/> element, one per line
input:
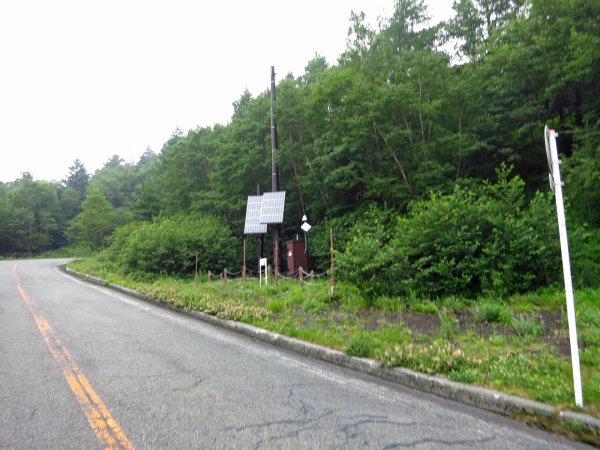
<point x="90" y="79"/>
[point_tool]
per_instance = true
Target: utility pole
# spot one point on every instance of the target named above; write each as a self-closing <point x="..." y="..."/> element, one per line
<point x="275" y="186"/>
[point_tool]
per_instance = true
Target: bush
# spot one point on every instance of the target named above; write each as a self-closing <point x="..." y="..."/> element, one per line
<point x="361" y="347"/>
<point x="426" y="307"/>
<point x="584" y="243"/>
<point x="169" y="245"/>
<point x="528" y="327"/>
<point x="469" y="242"/>
<point x="494" y="313"/>
<point x="367" y="257"/>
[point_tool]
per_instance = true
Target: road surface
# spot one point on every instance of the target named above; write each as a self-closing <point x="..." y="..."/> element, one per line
<point x="84" y="367"/>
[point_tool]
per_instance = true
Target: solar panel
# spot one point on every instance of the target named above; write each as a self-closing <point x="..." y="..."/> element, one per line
<point x="271" y="211"/>
<point x="252" y="224"/>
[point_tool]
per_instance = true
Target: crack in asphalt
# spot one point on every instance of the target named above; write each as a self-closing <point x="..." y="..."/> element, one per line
<point x="446" y="443"/>
<point x="285" y="422"/>
<point x="372" y="420"/>
<point x="303" y="425"/>
<point x="194" y="385"/>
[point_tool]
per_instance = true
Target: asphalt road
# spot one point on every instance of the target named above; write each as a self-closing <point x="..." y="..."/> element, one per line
<point x="84" y="367"/>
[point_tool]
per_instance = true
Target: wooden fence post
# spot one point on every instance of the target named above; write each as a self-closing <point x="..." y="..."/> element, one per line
<point x="244" y="266"/>
<point x="332" y="257"/>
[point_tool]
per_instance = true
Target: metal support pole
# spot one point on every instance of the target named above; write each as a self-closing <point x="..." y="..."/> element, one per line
<point x="550" y="138"/>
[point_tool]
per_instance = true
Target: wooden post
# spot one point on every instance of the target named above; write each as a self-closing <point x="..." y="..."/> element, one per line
<point x="225" y="274"/>
<point x="196" y="270"/>
<point x="332" y="256"/>
<point x="276" y="262"/>
<point x="301" y="276"/>
<point x="209" y="276"/>
<point x="244" y="266"/>
<point x="312" y="276"/>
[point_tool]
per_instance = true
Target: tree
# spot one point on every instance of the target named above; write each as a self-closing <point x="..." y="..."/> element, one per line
<point x="78" y="178"/>
<point x="34" y="215"/>
<point x="476" y="20"/>
<point x="147" y="159"/>
<point x="96" y="221"/>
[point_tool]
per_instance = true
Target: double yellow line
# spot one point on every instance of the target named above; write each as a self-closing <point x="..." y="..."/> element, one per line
<point x="98" y="416"/>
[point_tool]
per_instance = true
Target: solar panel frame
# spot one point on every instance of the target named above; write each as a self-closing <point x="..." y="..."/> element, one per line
<point x="252" y="224"/>
<point x="271" y="210"/>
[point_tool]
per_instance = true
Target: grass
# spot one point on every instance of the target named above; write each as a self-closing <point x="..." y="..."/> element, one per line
<point x="517" y="345"/>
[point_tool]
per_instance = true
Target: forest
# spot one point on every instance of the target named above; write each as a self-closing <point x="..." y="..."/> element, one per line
<point x="421" y="147"/>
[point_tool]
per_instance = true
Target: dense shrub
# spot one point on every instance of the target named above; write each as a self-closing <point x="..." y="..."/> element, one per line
<point x="478" y="240"/>
<point x="169" y="245"/>
<point x="367" y="256"/>
<point x="584" y="243"/>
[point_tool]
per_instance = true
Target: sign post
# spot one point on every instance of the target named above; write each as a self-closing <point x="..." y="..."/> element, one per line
<point x="556" y="185"/>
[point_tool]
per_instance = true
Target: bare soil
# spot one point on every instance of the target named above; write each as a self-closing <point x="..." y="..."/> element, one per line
<point x="555" y="334"/>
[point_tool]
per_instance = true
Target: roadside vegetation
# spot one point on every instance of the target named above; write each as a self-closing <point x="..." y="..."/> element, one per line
<point x="518" y="344"/>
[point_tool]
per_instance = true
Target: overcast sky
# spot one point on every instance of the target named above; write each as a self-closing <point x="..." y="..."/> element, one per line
<point x="87" y="80"/>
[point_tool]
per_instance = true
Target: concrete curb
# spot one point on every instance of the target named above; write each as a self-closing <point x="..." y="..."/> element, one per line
<point x="483" y="398"/>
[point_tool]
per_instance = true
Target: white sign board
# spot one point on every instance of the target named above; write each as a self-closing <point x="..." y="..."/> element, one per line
<point x="263" y="263"/>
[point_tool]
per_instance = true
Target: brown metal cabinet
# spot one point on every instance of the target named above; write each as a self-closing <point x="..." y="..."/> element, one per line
<point x="296" y="257"/>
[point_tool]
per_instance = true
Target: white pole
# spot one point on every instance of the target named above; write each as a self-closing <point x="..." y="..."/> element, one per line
<point x="550" y="137"/>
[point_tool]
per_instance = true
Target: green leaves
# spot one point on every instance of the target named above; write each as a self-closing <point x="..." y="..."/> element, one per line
<point x="469" y="242"/>
<point x="96" y="221"/>
<point x="169" y="245"/>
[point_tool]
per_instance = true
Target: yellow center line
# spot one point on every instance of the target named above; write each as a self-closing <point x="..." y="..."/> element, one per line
<point x="98" y="416"/>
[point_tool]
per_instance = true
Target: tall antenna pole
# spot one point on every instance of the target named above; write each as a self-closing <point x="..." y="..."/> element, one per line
<point x="277" y="229"/>
<point x="274" y="143"/>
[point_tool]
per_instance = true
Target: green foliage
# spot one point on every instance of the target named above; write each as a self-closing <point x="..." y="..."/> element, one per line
<point x="169" y="245"/>
<point x="584" y="244"/>
<point x="495" y="313"/>
<point x="315" y="305"/>
<point x="582" y="177"/>
<point x="275" y="305"/>
<point x="361" y="347"/>
<point x="31" y="217"/>
<point x="528" y="327"/>
<point x="449" y="326"/>
<point x="471" y="241"/>
<point x="427" y="307"/>
<point x="96" y="221"/>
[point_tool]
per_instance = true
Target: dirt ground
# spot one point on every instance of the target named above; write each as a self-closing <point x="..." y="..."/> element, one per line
<point x="554" y="334"/>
